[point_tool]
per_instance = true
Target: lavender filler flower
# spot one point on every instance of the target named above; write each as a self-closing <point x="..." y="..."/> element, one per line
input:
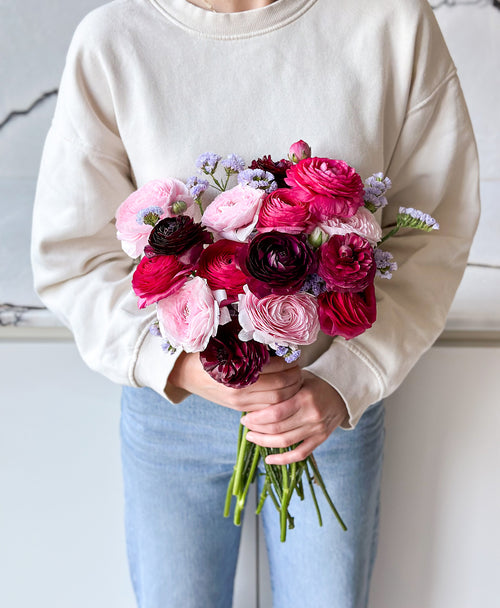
<point x="197" y="186"/>
<point x="207" y="162"/>
<point x="413" y="218"/>
<point x="233" y="163"/>
<point x="385" y="264"/>
<point x="289" y="353"/>
<point x="257" y="178"/>
<point x="375" y="188"/>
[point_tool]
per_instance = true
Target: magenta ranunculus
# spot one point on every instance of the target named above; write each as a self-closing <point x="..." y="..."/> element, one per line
<point x="347" y="314"/>
<point x="158" y="277"/>
<point x="332" y="187"/>
<point x="275" y="262"/>
<point x="231" y="361"/>
<point x="279" y="320"/>
<point x="233" y="213"/>
<point x="346" y="263"/>
<point x="153" y="201"/>
<point x="217" y="264"/>
<point x="285" y="211"/>
<point x="363" y="222"/>
<point x="189" y="317"/>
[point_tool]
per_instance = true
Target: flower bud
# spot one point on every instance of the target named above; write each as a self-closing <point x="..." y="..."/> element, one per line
<point x="317" y="237"/>
<point x="298" y="151"/>
<point x="178" y="207"/>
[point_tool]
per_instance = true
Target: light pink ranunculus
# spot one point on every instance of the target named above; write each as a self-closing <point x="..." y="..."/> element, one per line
<point x="362" y="222"/>
<point x="189" y="317"/>
<point x="289" y="320"/>
<point x="152" y="202"/>
<point x="233" y="214"/>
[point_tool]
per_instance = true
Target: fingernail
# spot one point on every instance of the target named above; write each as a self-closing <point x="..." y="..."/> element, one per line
<point x="243" y="419"/>
<point x="249" y="436"/>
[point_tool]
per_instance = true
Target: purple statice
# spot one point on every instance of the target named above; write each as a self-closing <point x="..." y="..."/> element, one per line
<point x="257" y="178"/>
<point x="167" y="347"/>
<point x="293" y="356"/>
<point x="375" y="188"/>
<point x="197" y="186"/>
<point x="233" y="163"/>
<point x="413" y="218"/>
<point x="154" y="329"/>
<point x="314" y="285"/>
<point x="149" y="215"/>
<point x="207" y="162"/>
<point x="385" y="264"/>
<point x="289" y="353"/>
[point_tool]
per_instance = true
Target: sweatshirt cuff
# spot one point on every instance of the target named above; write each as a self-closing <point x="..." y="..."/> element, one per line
<point x="152" y="368"/>
<point x="356" y="378"/>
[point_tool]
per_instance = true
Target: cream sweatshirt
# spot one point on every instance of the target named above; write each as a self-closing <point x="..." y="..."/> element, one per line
<point x="151" y="84"/>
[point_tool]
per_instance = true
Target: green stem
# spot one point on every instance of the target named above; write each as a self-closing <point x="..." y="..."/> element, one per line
<point x="229" y="495"/>
<point x="240" y="461"/>
<point x="240" y="502"/>
<point x="313" y="494"/>
<point x="321" y="484"/>
<point x="388" y="235"/>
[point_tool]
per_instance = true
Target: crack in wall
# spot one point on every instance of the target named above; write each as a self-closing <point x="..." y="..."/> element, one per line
<point x="29" y="109"/>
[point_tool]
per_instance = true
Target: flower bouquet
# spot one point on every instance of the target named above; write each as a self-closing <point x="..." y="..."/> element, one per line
<point x="285" y="250"/>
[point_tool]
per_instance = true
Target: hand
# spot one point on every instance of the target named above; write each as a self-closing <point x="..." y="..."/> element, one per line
<point x="278" y="381"/>
<point x="308" y="417"/>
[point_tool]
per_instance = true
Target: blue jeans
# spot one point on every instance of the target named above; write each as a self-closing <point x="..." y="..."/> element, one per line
<point x="177" y="461"/>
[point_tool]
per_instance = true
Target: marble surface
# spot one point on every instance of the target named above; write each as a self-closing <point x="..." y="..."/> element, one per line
<point x="33" y="44"/>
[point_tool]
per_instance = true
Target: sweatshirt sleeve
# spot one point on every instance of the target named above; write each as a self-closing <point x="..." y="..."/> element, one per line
<point x="434" y="168"/>
<point x="80" y="270"/>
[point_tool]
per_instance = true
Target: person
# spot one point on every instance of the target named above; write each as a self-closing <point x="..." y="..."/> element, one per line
<point x="149" y="85"/>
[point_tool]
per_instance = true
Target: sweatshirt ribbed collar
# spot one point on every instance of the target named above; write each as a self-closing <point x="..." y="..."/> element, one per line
<point x="233" y="25"/>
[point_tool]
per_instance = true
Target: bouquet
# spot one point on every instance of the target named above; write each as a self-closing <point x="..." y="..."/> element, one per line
<point x="286" y="249"/>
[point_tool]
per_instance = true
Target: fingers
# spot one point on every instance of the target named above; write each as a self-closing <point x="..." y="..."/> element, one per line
<point x="301" y="452"/>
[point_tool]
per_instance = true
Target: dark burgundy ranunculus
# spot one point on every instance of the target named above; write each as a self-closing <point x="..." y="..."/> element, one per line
<point x="347" y="314"/>
<point x="157" y="277"/>
<point x="278" y="263"/>
<point x="331" y="187"/>
<point x="346" y="263"/>
<point x="217" y="264"/>
<point x="278" y="169"/>
<point x="232" y="362"/>
<point x="175" y="235"/>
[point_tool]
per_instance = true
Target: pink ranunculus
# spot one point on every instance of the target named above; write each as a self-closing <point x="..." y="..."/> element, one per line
<point x="157" y="277"/>
<point x="363" y="222"/>
<point x="189" y="317"/>
<point x="332" y="187"/>
<point x="347" y="263"/>
<point x="279" y="320"/>
<point x="299" y="150"/>
<point x="233" y="214"/>
<point x="285" y="211"/>
<point x="153" y="201"/>
<point x="347" y="314"/>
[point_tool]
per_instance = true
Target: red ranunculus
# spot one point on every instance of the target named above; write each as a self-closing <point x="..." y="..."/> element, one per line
<point x="217" y="265"/>
<point x="284" y="210"/>
<point x="231" y="361"/>
<point x="346" y="263"/>
<point x="157" y="277"/>
<point x="176" y="235"/>
<point x="332" y="187"/>
<point x="347" y="314"/>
